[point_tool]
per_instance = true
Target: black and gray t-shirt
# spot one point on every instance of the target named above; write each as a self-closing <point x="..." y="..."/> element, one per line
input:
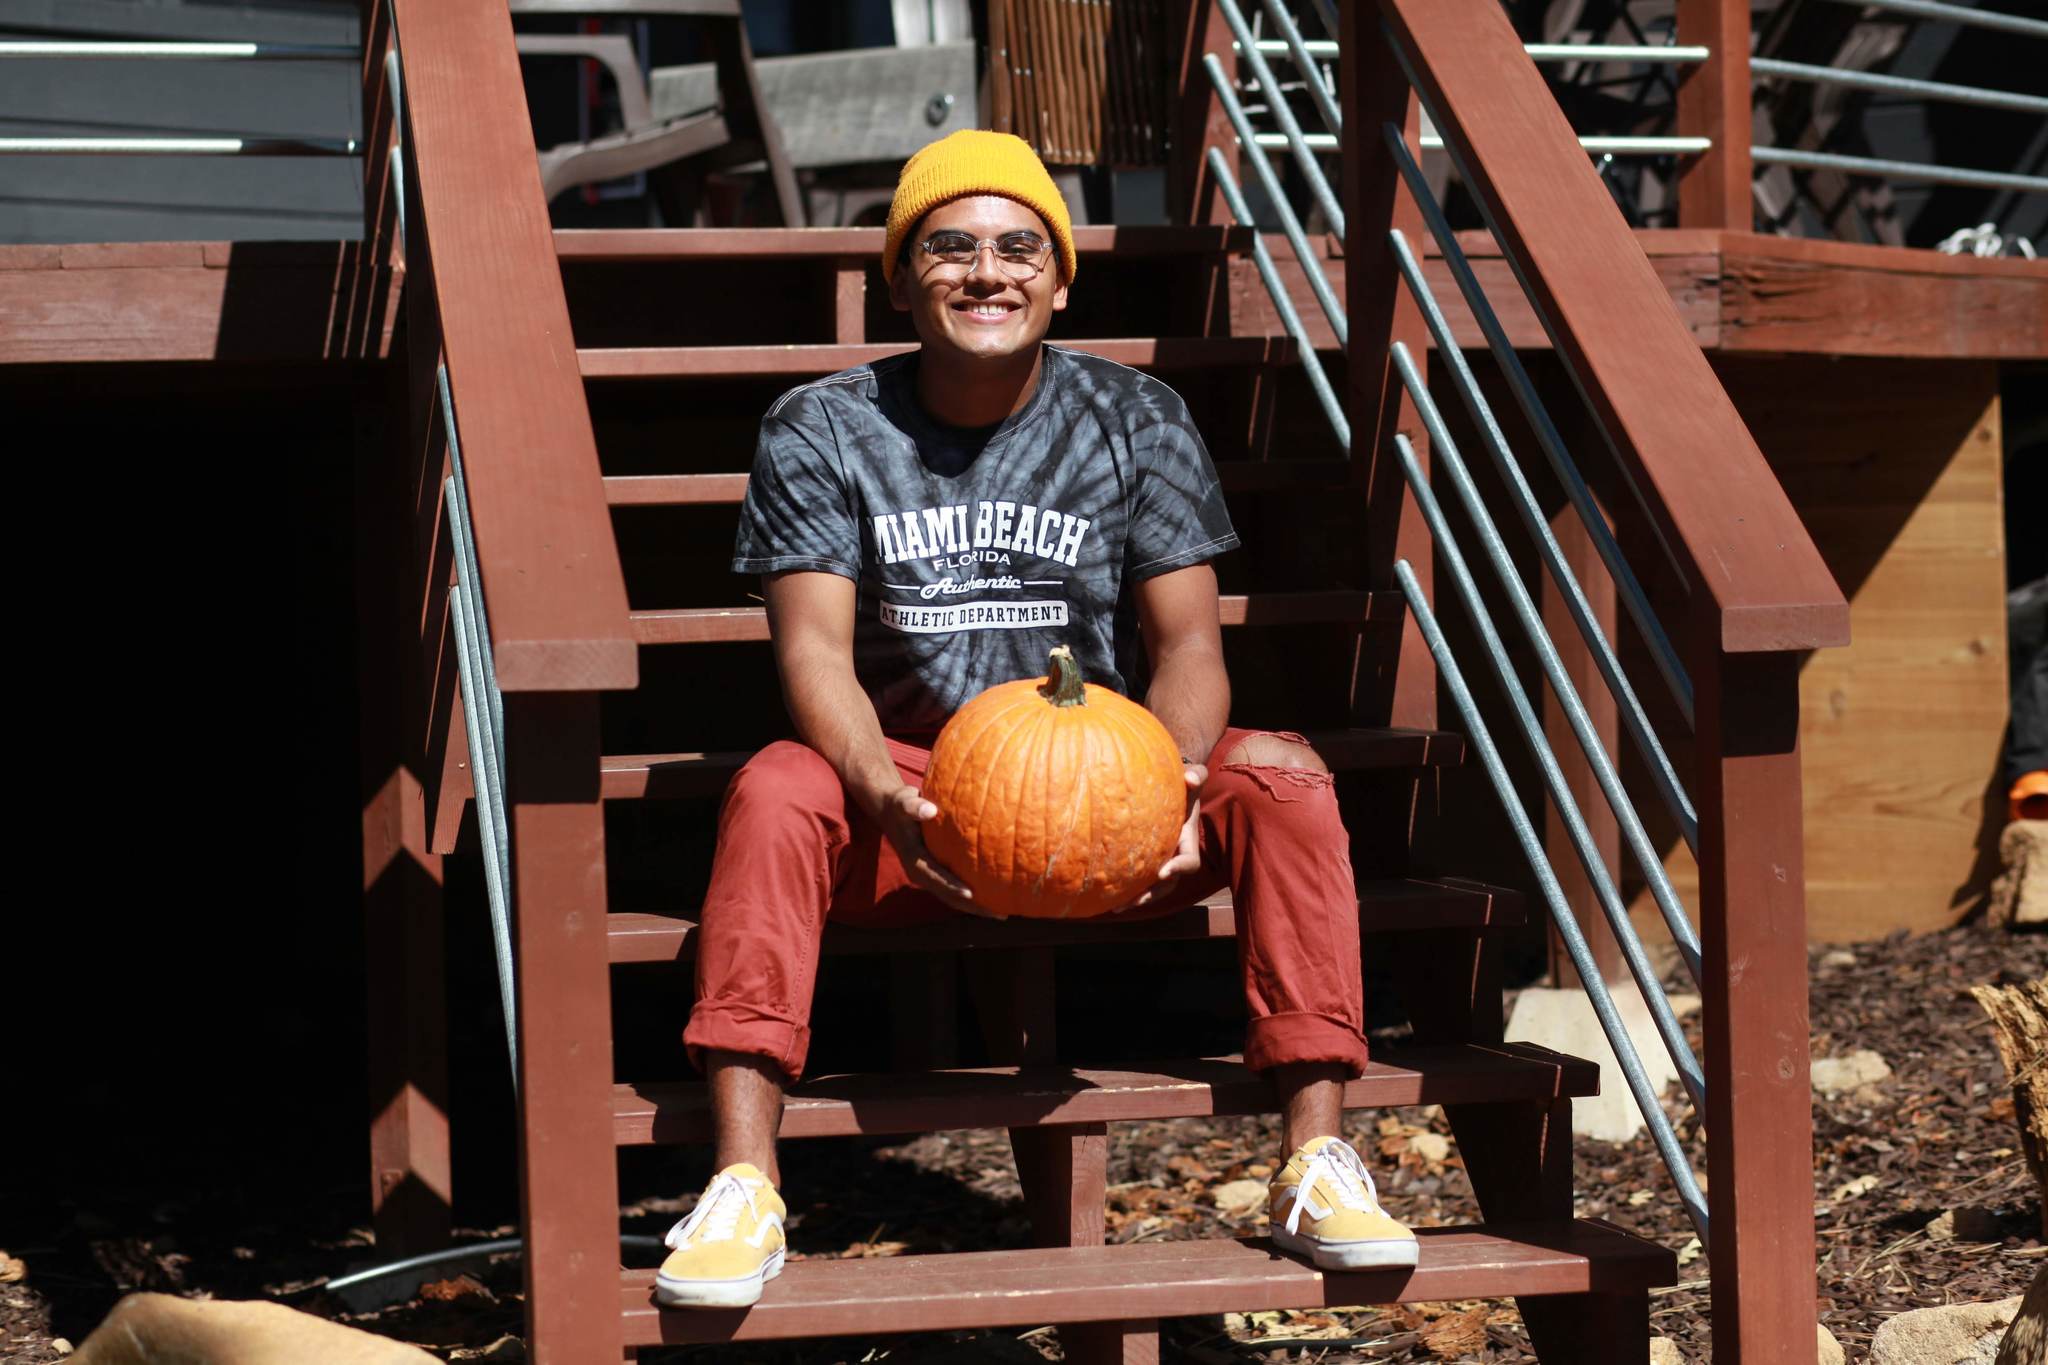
<point x="977" y="551"/>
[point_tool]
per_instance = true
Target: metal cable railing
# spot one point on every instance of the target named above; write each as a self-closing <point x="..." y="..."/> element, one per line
<point x="180" y="146"/>
<point x="1670" y="1033"/>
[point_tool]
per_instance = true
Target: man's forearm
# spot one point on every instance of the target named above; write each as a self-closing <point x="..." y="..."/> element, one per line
<point x="1190" y="693"/>
<point x="834" y="715"/>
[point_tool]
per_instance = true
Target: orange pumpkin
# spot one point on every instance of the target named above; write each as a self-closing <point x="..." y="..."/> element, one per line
<point x="1057" y="800"/>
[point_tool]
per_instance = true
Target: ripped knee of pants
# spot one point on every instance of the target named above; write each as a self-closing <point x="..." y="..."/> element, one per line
<point x="1281" y="765"/>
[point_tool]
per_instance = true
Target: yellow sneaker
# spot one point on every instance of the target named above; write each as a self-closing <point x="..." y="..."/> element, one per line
<point x="1324" y="1206"/>
<point x="729" y="1246"/>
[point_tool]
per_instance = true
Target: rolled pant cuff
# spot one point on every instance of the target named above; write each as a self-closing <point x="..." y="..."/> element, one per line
<point x="744" y="1029"/>
<point x="1294" y="1039"/>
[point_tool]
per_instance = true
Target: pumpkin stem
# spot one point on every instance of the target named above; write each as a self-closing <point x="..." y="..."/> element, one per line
<point x="1063" y="679"/>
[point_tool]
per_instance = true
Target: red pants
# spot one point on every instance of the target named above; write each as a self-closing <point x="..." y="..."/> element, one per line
<point x="791" y="853"/>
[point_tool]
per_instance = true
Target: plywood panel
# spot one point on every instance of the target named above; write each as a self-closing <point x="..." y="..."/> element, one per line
<point x="1896" y="468"/>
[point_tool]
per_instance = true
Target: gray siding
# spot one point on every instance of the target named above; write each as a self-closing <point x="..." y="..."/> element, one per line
<point x="182" y="198"/>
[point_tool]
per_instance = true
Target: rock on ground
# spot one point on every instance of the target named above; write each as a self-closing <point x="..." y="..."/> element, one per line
<point x="1957" y="1334"/>
<point x="162" y="1329"/>
<point x="2020" y="894"/>
<point x="1831" y="1352"/>
<point x="1664" y="1351"/>
<point x="1837" y="1075"/>
<point x="1563" y="1021"/>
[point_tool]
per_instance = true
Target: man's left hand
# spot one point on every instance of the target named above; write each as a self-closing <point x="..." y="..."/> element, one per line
<point x="1187" y="852"/>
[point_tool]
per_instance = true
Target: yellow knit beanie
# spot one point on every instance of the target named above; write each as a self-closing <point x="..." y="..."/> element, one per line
<point x="974" y="161"/>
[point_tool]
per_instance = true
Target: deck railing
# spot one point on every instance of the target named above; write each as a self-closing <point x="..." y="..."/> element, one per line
<point x="520" y="593"/>
<point x="1754" y="594"/>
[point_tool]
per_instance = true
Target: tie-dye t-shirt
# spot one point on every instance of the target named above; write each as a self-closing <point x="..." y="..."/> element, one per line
<point x="977" y="551"/>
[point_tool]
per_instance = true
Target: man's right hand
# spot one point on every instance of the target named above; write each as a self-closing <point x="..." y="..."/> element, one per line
<point x="902" y="815"/>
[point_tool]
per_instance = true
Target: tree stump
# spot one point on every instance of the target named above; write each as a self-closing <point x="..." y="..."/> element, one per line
<point x="2026" y="1341"/>
<point x="2019" y="1020"/>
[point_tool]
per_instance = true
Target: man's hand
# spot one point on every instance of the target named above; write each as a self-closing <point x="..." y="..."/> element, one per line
<point x="1187" y="852"/>
<point x="902" y="815"/>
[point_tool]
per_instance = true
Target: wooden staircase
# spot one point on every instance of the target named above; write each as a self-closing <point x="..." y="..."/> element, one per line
<point x="606" y="387"/>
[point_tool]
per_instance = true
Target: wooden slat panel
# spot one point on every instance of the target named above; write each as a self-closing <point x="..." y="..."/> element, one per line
<point x="1146" y="1280"/>
<point x="1394" y="905"/>
<point x="582" y="245"/>
<point x="1237" y="476"/>
<point x="634" y="776"/>
<point x="1758" y="582"/>
<point x="551" y="579"/>
<point x="742" y="362"/>
<point x="1012" y="1097"/>
<point x="724" y="625"/>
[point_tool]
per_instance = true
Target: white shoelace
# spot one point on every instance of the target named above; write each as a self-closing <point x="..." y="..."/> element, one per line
<point x="718" y="1213"/>
<point x="1338" y="1171"/>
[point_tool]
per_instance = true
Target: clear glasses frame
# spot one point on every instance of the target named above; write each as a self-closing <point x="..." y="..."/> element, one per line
<point x="1019" y="255"/>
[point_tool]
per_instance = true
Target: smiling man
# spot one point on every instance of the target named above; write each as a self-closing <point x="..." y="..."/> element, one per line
<point x="929" y="526"/>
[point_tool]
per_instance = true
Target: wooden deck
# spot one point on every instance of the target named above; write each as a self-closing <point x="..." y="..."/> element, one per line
<point x="1737" y="292"/>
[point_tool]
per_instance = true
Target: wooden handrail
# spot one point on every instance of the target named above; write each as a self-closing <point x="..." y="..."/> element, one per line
<point x="1755" y="582"/>
<point x="552" y="584"/>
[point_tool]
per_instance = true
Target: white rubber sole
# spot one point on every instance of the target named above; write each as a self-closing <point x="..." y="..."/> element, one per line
<point x="1381" y="1253"/>
<point x="743" y="1292"/>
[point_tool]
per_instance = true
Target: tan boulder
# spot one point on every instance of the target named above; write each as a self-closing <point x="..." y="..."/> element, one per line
<point x="2020" y="894"/>
<point x="160" y="1329"/>
<point x="1954" y="1334"/>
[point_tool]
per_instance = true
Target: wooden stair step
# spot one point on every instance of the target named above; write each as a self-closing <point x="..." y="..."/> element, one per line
<point x="718" y="490"/>
<point x="1147" y="1280"/>
<point x="727" y="625"/>
<point x="586" y="246"/>
<point x="1393" y="905"/>
<point x="743" y="362"/>
<point x="631" y="777"/>
<point x="1013" y="1097"/>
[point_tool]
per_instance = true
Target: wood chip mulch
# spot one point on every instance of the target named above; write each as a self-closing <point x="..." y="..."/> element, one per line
<point x="1921" y="1197"/>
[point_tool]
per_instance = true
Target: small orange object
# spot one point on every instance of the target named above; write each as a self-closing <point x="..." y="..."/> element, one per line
<point x="1057" y="800"/>
<point x="2029" y="797"/>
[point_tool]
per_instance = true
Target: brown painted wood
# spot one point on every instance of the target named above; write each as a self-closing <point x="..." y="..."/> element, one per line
<point x="1197" y="28"/>
<point x="1693" y="280"/>
<point x="1753" y="983"/>
<point x="1837" y="298"/>
<point x="73" y="305"/>
<point x="568" y="1182"/>
<point x="411" y="1183"/>
<point x="1714" y="102"/>
<point x="551" y="577"/>
<point x="1756" y="582"/>
<point x="1602" y="710"/>
<point x="1396" y="681"/>
<point x="629" y="777"/>
<point x="850" y="301"/>
<point x="738" y="362"/>
<point x="1009" y="1097"/>
<point x="1390" y="905"/>
<point x="1150" y="1279"/>
<point x="702" y="625"/>
<point x="595" y="245"/>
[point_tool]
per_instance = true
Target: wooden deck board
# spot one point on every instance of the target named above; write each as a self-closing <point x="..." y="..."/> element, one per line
<point x="1010" y="1097"/>
<point x="1384" y="906"/>
<point x="1145" y="1280"/>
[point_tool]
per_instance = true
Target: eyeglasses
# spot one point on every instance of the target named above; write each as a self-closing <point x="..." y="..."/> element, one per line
<point x="1020" y="255"/>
